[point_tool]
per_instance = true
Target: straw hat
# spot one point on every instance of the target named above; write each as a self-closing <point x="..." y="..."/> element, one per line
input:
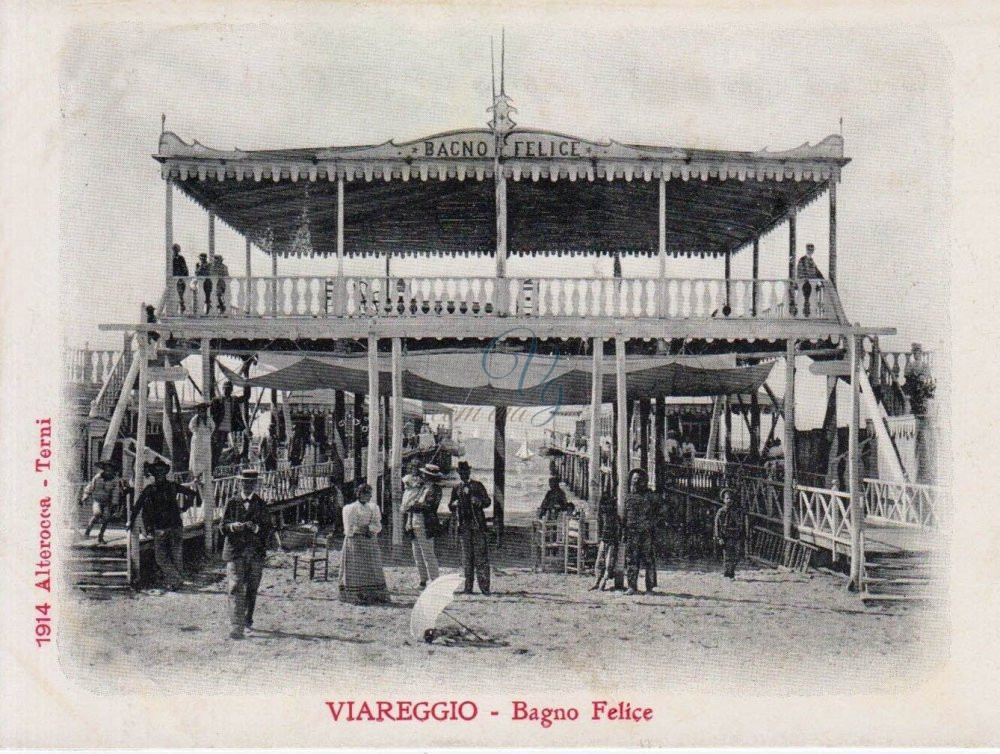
<point x="432" y="471"/>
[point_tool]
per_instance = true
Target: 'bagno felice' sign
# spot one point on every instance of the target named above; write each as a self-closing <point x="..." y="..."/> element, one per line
<point x="516" y="145"/>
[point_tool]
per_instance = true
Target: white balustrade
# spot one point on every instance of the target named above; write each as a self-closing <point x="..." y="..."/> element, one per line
<point x="903" y="503"/>
<point x="380" y="296"/>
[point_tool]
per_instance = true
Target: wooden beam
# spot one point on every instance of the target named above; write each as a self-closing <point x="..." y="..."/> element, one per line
<point x="754" y="276"/>
<point x="168" y="232"/>
<point x="644" y="412"/>
<point x="340" y="226"/>
<point x="853" y="473"/>
<point x="832" y="271"/>
<point x="373" y="413"/>
<point x="359" y="407"/>
<point x="659" y="437"/>
<point x="594" y="442"/>
<point x="211" y="236"/>
<point x="396" y="456"/>
<point x="138" y="469"/>
<point x="248" y="308"/>
<point x="789" y="480"/>
<point x="207" y="487"/>
<point x="621" y="430"/>
<point x="754" y="427"/>
<point x="333" y="328"/>
<point x="662" y="249"/>
<point x="836" y="368"/>
<point x="727" y="422"/>
<point x="831" y="434"/>
<point x="503" y="305"/>
<point x="499" y="470"/>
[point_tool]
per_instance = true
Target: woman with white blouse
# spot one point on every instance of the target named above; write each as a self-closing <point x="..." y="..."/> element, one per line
<point x="362" y="580"/>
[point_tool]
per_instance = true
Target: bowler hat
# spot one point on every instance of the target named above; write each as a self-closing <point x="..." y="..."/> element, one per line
<point x="249" y="473"/>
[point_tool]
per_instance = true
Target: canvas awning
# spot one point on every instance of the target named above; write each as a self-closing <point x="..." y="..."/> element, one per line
<point x="512" y="379"/>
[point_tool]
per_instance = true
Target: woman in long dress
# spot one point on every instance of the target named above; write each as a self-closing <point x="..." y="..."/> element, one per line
<point x="362" y="580"/>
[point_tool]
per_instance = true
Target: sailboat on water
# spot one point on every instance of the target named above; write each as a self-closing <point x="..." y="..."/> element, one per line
<point x="523" y="454"/>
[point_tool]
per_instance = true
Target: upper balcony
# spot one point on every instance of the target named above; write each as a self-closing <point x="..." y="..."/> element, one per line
<point x="367" y="298"/>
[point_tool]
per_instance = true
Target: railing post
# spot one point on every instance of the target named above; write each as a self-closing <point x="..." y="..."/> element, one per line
<point x="789" y="421"/>
<point x="594" y="446"/>
<point x="853" y="460"/>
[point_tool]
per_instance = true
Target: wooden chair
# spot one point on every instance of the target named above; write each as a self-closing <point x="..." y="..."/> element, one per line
<point x="548" y="544"/>
<point x="580" y="549"/>
<point x="315" y="554"/>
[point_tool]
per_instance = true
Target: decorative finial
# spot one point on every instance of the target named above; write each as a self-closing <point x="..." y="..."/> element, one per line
<point x="501" y="123"/>
<point x="841" y="125"/>
<point x="163" y="123"/>
<point x="503" y="39"/>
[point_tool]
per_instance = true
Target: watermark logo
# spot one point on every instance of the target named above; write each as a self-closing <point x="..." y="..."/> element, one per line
<point x="493" y="364"/>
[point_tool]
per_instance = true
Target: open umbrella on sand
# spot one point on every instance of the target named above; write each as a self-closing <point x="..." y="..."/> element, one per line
<point x="432" y="603"/>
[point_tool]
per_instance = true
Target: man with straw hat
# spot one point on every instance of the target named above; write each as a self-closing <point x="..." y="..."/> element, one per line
<point x="104" y="492"/>
<point x="158" y="505"/>
<point x="246" y="525"/>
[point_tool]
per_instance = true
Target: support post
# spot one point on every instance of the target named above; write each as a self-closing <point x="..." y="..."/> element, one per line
<point x="754" y="275"/>
<point x="206" y="486"/>
<point x="211" y="237"/>
<point x="621" y="430"/>
<point x="359" y="407"/>
<point x="754" y="427"/>
<point x="373" y="413"/>
<point x="274" y="282"/>
<point x="499" y="470"/>
<point x="727" y="422"/>
<point x="503" y="305"/>
<point x="791" y="262"/>
<point x="789" y="486"/>
<point x="662" y="249"/>
<point x="644" y="411"/>
<point x="396" y="456"/>
<point x="832" y="272"/>
<point x="247" y="298"/>
<point x="659" y="438"/>
<point x="594" y="442"/>
<point x="853" y="473"/>
<point x="339" y="416"/>
<point x="168" y="228"/>
<point x="138" y="469"/>
<point x="830" y="434"/>
<point x="340" y="306"/>
<point x="727" y="308"/>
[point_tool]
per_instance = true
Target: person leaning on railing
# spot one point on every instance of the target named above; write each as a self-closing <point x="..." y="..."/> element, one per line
<point x="807" y="271"/>
<point x="180" y="269"/>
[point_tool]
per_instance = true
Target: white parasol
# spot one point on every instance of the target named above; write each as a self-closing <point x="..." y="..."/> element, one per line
<point x="432" y="602"/>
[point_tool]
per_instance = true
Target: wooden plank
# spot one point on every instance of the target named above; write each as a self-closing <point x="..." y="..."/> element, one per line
<point x="837" y="368"/>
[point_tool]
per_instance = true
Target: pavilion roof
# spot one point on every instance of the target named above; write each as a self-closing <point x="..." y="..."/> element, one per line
<point x="565" y="195"/>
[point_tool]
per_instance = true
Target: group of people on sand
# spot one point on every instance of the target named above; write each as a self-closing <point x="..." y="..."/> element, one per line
<point x="634" y="535"/>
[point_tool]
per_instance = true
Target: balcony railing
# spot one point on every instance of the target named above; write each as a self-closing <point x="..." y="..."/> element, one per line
<point x="413" y="297"/>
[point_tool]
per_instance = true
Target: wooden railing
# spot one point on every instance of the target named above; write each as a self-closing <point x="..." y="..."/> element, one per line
<point x="822" y="514"/>
<point x="104" y="403"/>
<point x="904" y="503"/>
<point x="87" y="366"/>
<point x="395" y="297"/>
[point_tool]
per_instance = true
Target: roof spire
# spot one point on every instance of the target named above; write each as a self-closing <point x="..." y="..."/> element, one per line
<point x="501" y="122"/>
<point x="163" y="123"/>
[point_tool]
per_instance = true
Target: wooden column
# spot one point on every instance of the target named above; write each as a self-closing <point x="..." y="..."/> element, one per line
<point x="832" y="272"/>
<point x="754" y="275"/>
<point x="594" y="442"/>
<point x="385" y="499"/>
<point x="168" y="228"/>
<point x="247" y="305"/>
<point x="503" y="305"/>
<point x="659" y="436"/>
<point x="339" y="416"/>
<point x="396" y="456"/>
<point x="621" y="430"/>
<point x="727" y="421"/>
<point x="791" y="262"/>
<point x="340" y="305"/>
<point x="830" y="434"/>
<point x="789" y="486"/>
<point x="644" y="411"/>
<point x="211" y="236"/>
<point x="854" y="471"/>
<point x="499" y="469"/>
<point x="373" y="413"/>
<point x="208" y="487"/>
<point x="754" y="427"/>
<point x="274" y="281"/>
<point x="727" y="308"/>
<point x="138" y="470"/>
<point x="662" y="249"/>
<point x="359" y="407"/>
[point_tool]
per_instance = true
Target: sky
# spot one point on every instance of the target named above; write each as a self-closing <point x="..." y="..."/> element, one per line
<point x="365" y="76"/>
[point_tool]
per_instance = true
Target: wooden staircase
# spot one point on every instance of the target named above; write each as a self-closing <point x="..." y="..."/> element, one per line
<point x="901" y="577"/>
<point x="99" y="570"/>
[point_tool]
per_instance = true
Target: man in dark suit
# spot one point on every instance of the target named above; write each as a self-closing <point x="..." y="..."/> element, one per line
<point x="468" y="502"/>
<point x="246" y="526"/>
<point x="228" y="415"/>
